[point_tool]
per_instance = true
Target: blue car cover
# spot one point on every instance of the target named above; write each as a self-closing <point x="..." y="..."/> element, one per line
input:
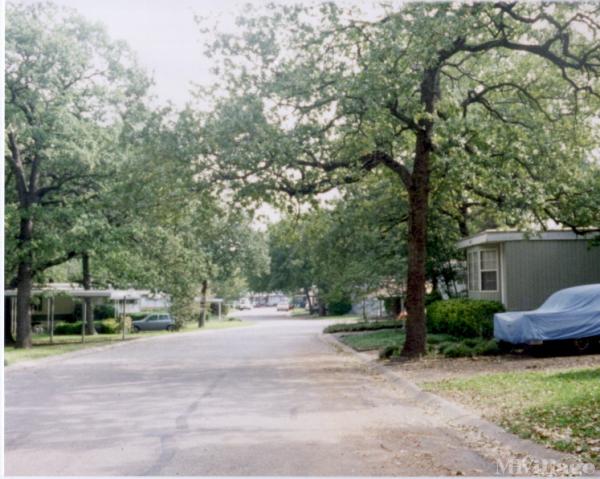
<point x="570" y="313"/>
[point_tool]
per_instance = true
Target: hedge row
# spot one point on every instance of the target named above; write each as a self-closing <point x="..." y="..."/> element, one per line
<point x="106" y="326"/>
<point x="463" y="318"/>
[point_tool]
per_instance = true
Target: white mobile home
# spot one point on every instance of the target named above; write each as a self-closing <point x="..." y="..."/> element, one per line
<point x="522" y="269"/>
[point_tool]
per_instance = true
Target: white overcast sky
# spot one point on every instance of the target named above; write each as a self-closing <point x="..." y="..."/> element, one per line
<point x="168" y="42"/>
<point x="165" y="36"/>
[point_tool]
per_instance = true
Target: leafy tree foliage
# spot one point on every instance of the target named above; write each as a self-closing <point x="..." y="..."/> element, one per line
<point x="493" y="102"/>
<point x="68" y="91"/>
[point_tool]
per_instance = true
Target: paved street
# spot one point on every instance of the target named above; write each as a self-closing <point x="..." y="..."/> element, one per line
<point x="270" y="399"/>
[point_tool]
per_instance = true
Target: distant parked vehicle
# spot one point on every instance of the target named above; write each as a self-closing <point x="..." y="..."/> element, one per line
<point x="244" y="304"/>
<point x="154" y="322"/>
<point x="569" y="314"/>
<point x="283" y="306"/>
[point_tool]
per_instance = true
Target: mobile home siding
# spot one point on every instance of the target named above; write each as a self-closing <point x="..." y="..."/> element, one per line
<point x="535" y="269"/>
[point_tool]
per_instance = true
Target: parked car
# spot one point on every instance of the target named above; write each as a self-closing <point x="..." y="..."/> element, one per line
<point x="283" y="306"/>
<point x="569" y="314"/>
<point x="244" y="304"/>
<point x="154" y="322"/>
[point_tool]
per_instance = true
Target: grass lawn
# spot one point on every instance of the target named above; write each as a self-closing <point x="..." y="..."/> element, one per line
<point x="375" y="340"/>
<point x="558" y="409"/>
<point x="303" y="314"/>
<point x="67" y="343"/>
<point x="362" y="325"/>
<point x="389" y="342"/>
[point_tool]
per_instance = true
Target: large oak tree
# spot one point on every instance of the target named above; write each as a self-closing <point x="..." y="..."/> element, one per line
<point x="492" y="96"/>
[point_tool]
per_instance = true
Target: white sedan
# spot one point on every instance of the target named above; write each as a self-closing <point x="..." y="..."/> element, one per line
<point x="284" y="306"/>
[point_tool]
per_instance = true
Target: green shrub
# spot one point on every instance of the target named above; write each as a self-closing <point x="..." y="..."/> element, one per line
<point x="104" y="311"/>
<point x="489" y="348"/>
<point x="340" y="307"/>
<point x="457" y="350"/>
<point x="389" y="351"/>
<point x="101" y="311"/>
<point x="68" y="328"/>
<point x="435" y="339"/>
<point x="465" y="318"/>
<point x="469" y="348"/>
<point x="106" y="326"/>
<point x="432" y="297"/>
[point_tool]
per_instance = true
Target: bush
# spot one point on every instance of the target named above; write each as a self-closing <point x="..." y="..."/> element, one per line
<point x="468" y="348"/>
<point x="68" y="328"/>
<point x="389" y="351"/>
<point x="432" y="297"/>
<point x="106" y="326"/>
<point x="465" y="318"/>
<point x="101" y="311"/>
<point x="104" y="311"/>
<point x="338" y="308"/>
<point x="456" y="350"/>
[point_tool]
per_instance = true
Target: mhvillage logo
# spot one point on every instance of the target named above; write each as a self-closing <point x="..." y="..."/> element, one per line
<point x="528" y="466"/>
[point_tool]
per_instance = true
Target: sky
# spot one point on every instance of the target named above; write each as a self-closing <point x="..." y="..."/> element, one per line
<point x="168" y="42"/>
<point x="164" y="35"/>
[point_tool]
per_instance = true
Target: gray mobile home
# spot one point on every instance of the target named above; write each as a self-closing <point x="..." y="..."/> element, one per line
<point x="521" y="270"/>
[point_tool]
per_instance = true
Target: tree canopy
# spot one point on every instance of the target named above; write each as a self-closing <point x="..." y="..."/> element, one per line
<point x="492" y="102"/>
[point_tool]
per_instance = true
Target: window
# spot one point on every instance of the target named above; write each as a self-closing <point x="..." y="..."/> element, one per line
<point x="473" y="270"/>
<point x="489" y="270"/>
<point x="482" y="266"/>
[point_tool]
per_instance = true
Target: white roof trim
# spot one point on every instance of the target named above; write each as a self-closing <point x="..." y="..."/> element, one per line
<point x="491" y="236"/>
<point x="72" y="292"/>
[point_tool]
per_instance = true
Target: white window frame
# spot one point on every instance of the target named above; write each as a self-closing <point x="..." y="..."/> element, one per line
<point x="488" y="270"/>
<point x="477" y="253"/>
<point x="473" y="270"/>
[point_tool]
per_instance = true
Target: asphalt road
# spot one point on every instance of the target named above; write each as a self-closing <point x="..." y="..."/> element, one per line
<point x="270" y="399"/>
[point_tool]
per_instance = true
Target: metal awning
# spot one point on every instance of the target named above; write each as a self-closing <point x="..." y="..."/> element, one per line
<point x="73" y="292"/>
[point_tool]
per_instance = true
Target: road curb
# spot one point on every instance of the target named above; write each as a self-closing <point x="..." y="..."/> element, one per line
<point x="457" y="415"/>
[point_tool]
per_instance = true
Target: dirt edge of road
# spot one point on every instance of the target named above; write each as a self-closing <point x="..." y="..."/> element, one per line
<point x="488" y="439"/>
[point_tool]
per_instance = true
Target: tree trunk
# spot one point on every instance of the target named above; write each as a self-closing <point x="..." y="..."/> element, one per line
<point x="418" y="209"/>
<point x="416" y="333"/>
<point x="87" y="285"/>
<point x="396" y="307"/>
<point x="308" y="301"/>
<point x="322" y="309"/>
<point x="204" y="292"/>
<point x="8" y="317"/>
<point x="24" y="285"/>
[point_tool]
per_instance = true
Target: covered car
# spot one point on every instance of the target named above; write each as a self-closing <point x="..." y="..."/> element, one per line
<point x="571" y="313"/>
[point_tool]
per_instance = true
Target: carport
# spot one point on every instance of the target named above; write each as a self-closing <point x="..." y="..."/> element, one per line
<point x="49" y="294"/>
